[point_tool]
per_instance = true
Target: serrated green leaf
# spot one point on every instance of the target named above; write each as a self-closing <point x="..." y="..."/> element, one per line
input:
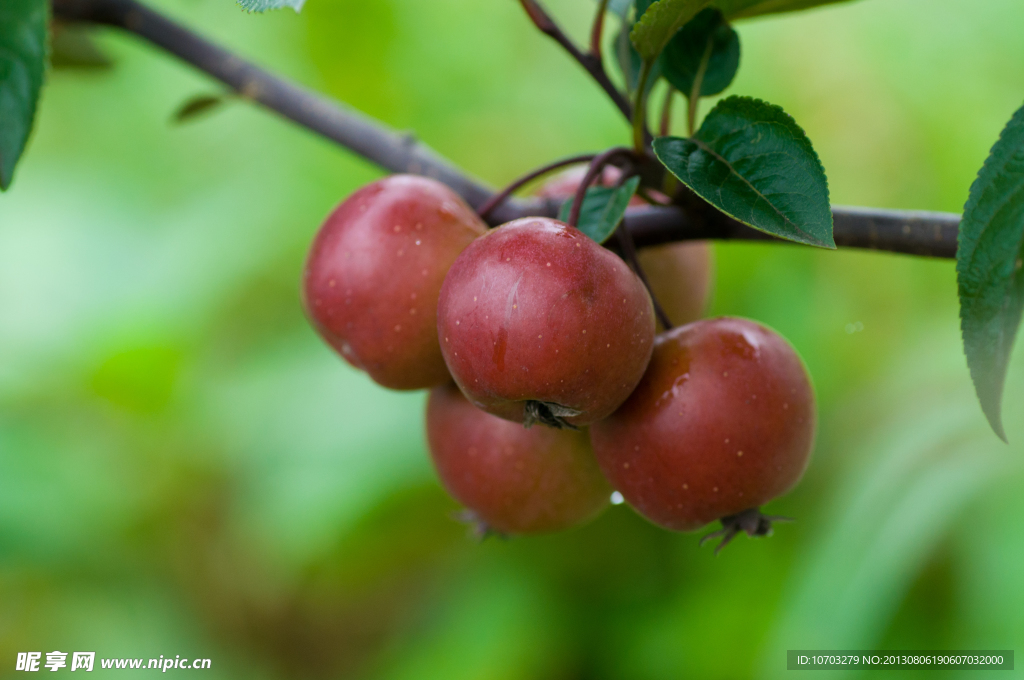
<point x="660" y="22"/>
<point x="602" y="210"/>
<point x="23" y="35"/>
<point x="264" y="5"/>
<point x="990" y="277"/>
<point x="753" y="162"/>
<point x="706" y="47"/>
<point x="742" y="9"/>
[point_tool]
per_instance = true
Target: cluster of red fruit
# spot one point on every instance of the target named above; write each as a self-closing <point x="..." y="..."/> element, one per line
<point x="533" y="323"/>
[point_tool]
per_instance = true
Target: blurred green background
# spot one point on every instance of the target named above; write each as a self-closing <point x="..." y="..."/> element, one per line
<point x="186" y="469"/>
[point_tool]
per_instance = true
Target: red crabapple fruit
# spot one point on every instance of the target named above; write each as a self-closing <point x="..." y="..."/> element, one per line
<point x="538" y="323"/>
<point x="374" y="272"/>
<point x="514" y="480"/>
<point x="722" y="422"/>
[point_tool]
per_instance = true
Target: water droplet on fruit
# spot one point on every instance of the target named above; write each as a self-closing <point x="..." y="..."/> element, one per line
<point x="458" y="323"/>
<point x="617" y="498"/>
<point x="418" y="241"/>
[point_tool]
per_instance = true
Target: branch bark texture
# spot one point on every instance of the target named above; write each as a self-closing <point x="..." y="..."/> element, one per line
<point x="911" y="232"/>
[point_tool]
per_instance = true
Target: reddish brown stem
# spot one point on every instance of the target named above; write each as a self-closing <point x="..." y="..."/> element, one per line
<point x="666" y="112"/>
<point x="597" y="166"/>
<point x="597" y="31"/>
<point x="627" y="249"/>
<point x="503" y="195"/>
<point x="543" y="21"/>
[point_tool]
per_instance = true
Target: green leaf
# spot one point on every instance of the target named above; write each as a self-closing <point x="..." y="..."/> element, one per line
<point x="23" y="34"/>
<point x="660" y="22"/>
<point x="707" y="47"/>
<point x="753" y="162"/>
<point x="641" y="8"/>
<point x="989" y="270"/>
<point x="742" y="9"/>
<point x="197" y="106"/>
<point x="264" y="5"/>
<point x="602" y="210"/>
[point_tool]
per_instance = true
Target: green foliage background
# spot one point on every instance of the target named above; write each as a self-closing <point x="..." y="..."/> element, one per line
<point x="185" y="469"/>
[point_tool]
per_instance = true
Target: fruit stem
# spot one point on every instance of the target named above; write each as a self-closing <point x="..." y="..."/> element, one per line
<point x="639" y="110"/>
<point x="499" y="198"/>
<point x="598" y="30"/>
<point x="597" y="165"/>
<point x="698" y="84"/>
<point x="628" y="249"/>
<point x="751" y="521"/>
<point x="666" y="112"/>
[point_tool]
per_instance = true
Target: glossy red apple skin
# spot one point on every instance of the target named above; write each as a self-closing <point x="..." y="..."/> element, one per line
<point x="374" y="272"/>
<point x="680" y="274"/>
<point x="723" y="421"/>
<point x="516" y="480"/>
<point x="536" y="310"/>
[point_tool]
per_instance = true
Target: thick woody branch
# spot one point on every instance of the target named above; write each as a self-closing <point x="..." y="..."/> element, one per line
<point x="915" y="233"/>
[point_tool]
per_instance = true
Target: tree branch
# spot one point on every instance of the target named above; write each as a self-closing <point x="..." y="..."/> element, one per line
<point x="915" y="233"/>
